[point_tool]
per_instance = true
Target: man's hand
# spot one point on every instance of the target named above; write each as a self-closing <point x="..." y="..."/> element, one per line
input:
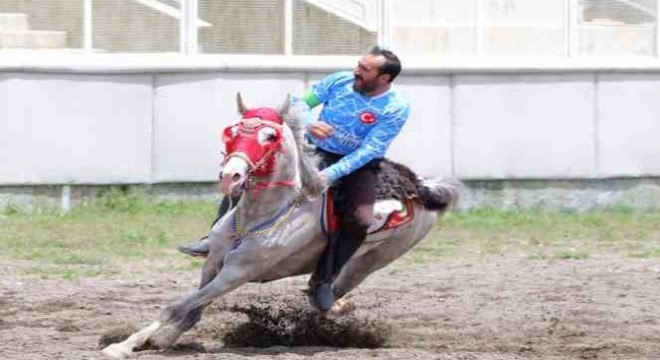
<point x="320" y="129"/>
<point x="325" y="180"/>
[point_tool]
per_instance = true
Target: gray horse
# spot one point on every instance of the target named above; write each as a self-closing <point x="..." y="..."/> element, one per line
<point x="275" y="230"/>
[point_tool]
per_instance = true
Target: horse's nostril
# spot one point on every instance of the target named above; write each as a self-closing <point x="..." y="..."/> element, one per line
<point x="236" y="177"/>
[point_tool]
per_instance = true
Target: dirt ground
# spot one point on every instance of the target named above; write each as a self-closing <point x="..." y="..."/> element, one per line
<point x="486" y="307"/>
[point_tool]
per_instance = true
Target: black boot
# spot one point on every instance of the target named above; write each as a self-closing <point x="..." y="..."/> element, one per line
<point x="344" y="250"/>
<point x="321" y="282"/>
<point x="337" y="253"/>
<point x="200" y="248"/>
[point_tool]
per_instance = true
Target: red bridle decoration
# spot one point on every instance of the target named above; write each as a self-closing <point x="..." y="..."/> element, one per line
<point x="256" y="138"/>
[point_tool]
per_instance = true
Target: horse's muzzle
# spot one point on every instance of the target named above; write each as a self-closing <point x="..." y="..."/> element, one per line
<point x="233" y="176"/>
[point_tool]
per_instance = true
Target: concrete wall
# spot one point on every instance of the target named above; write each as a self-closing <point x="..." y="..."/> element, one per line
<point x="91" y="125"/>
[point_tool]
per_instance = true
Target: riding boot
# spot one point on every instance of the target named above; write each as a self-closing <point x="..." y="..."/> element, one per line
<point x="322" y="278"/>
<point x="200" y="248"/>
<point x="344" y="250"/>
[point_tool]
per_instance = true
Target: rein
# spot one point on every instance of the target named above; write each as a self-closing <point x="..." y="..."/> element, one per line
<point x="263" y="185"/>
<point x="268" y="227"/>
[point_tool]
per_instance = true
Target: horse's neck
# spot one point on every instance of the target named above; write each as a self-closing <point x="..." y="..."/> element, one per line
<point x="262" y="205"/>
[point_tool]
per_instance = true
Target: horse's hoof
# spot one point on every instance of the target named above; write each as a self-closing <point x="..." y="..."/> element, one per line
<point x="165" y="337"/>
<point x="342" y="307"/>
<point x="117" y="351"/>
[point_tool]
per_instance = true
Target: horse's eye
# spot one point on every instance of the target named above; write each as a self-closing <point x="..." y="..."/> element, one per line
<point x="267" y="135"/>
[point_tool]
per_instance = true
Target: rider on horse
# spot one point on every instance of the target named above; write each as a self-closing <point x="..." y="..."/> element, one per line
<point x="361" y="116"/>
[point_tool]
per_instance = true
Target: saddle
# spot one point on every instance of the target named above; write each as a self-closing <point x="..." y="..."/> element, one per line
<point x="396" y="188"/>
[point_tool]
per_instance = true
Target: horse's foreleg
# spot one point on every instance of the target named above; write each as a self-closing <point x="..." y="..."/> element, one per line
<point x="124" y="349"/>
<point x="238" y="269"/>
<point x="210" y="270"/>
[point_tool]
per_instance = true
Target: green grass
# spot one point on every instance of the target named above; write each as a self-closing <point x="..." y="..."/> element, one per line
<point x="92" y="239"/>
<point x="543" y="235"/>
<point x="134" y="229"/>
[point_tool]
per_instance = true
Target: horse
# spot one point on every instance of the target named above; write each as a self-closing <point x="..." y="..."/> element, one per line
<point x="277" y="228"/>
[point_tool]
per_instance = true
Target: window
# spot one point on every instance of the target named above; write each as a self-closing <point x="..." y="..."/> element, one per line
<point x="241" y="26"/>
<point x="617" y="27"/>
<point x="320" y="31"/>
<point x="129" y="26"/>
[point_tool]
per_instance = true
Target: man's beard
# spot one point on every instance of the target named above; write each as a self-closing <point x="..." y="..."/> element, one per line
<point x="365" y="89"/>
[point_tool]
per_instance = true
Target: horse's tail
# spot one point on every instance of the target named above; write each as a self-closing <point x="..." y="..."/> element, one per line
<point x="440" y="194"/>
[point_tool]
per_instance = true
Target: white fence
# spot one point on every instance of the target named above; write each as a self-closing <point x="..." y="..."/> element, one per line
<point x="337" y="27"/>
<point x="91" y="121"/>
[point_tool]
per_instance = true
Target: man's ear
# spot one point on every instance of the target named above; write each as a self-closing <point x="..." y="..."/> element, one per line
<point x="385" y="78"/>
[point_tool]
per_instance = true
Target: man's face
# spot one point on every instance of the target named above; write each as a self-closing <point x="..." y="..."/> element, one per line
<point x="367" y="78"/>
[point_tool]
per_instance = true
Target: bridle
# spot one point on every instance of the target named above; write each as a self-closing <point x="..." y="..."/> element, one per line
<point x="257" y="139"/>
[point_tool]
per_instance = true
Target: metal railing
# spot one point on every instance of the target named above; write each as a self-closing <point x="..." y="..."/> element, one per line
<point x="331" y="27"/>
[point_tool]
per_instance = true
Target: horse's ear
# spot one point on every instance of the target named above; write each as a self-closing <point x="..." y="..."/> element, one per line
<point x="284" y="108"/>
<point x="241" y="105"/>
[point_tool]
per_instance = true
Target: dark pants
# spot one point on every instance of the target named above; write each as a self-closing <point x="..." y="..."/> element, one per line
<point x="355" y="195"/>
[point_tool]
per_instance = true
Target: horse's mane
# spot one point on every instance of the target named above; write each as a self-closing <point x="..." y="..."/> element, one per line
<point x="307" y="159"/>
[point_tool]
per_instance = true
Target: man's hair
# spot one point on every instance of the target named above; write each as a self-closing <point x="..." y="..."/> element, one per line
<point x="392" y="64"/>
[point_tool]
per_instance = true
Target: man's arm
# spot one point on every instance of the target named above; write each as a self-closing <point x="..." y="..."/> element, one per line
<point x="374" y="146"/>
<point x="311" y="99"/>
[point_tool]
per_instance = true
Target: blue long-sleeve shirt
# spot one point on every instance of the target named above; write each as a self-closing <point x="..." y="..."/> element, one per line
<point x="363" y="126"/>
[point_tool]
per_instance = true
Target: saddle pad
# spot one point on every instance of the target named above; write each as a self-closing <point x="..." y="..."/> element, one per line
<point x="388" y="214"/>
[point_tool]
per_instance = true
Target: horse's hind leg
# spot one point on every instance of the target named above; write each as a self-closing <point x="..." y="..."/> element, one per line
<point x="362" y="265"/>
<point x="358" y="268"/>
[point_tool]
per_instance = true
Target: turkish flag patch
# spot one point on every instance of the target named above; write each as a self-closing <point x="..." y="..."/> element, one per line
<point x="368" y="118"/>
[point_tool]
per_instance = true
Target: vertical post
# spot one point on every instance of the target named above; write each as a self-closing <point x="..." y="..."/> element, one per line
<point x="193" y="29"/>
<point x="188" y="27"/>
<point x="288" y="27"/>
<point x="66" y="198"/>
<point x="657" y="28"/>
<point x="183" y="27"/>
<point x="480" y="16"/>
<point x="567" y="28"/>
<point x="380" y="23"/>
<point x="88" y="45"/>
<point x="384" y="23"/>
<point x="572" y="13"/>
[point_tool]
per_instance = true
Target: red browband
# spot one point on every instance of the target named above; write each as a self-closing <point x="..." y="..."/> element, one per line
<point x="263" y="114"/>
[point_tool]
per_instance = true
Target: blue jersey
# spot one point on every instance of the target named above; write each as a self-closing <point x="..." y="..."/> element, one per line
<point x="363" y="126"/>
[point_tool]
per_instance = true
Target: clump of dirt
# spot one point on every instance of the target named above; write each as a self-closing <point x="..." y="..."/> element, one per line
<point x="283" y="325"/>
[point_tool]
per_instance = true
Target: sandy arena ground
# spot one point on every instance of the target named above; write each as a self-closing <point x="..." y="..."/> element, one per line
<point x="487" y="307"/>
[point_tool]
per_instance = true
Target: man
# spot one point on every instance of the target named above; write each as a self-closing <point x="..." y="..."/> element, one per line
<point x="361" y="116"/>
